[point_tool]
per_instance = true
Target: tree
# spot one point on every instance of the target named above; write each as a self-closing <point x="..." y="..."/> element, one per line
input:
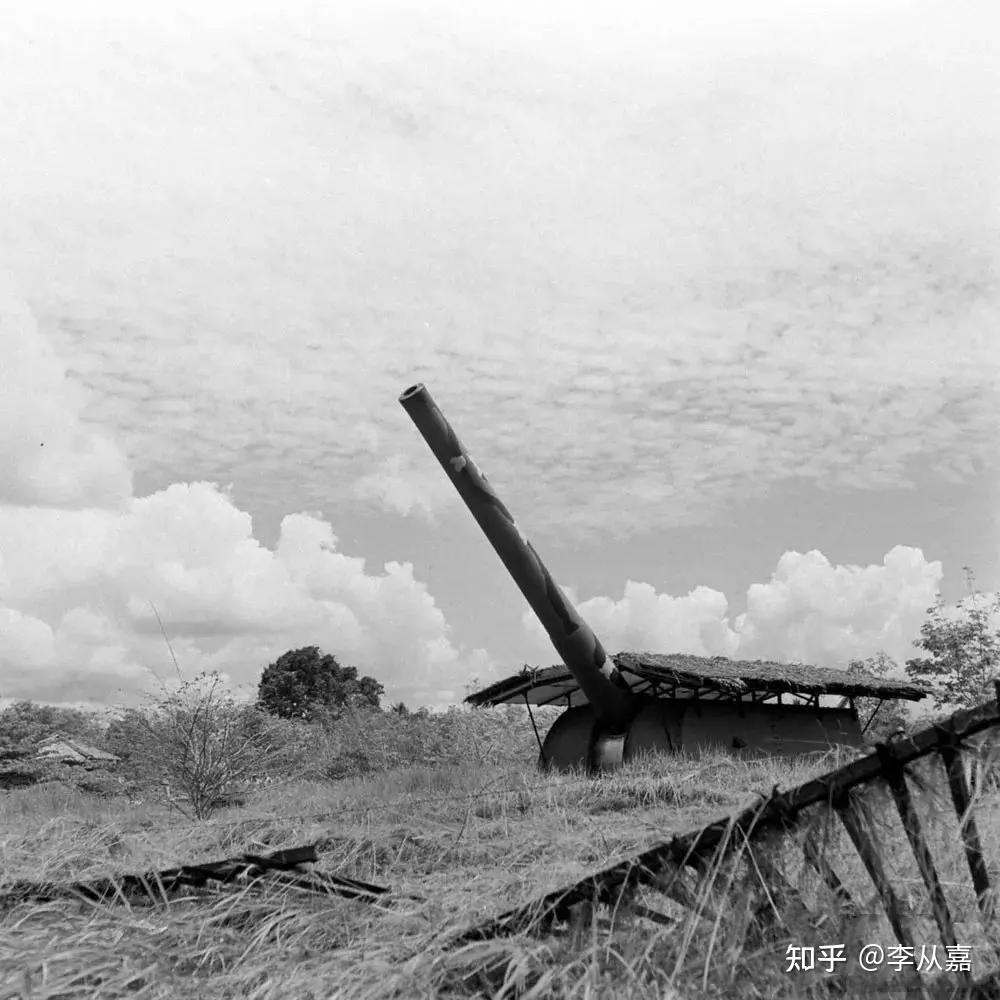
<point x="963" y="647"/>
<point x="885" y="717"/>
<point x="302" y="681"/>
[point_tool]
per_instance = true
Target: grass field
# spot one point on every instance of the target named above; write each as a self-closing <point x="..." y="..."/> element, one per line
<point x="468" y="841"/>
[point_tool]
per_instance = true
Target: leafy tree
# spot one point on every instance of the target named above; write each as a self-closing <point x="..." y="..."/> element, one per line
<point x="963" y="649"/>
<point x="886" y="717"/>
<point x="303" y="681"/>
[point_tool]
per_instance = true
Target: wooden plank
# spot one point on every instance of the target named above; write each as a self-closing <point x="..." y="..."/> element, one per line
<point x="913" y="828"/>
<point x="962" y="800"/>
<point x="281" y="867"/>
<point x="854" y="818"/>
<point x="871" y="718"/>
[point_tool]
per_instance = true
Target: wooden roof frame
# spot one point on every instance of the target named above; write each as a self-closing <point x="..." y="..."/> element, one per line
<point x="702" y="678"/>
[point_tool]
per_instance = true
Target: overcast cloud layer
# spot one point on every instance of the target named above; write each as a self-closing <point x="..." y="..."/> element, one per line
<point x="652" y="262"/>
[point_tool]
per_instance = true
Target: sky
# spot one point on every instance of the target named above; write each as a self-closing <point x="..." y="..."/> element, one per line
<point x="709" y="291"/>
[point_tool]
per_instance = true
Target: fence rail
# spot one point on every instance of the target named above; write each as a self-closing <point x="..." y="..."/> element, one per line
<point x="280" y="867"/>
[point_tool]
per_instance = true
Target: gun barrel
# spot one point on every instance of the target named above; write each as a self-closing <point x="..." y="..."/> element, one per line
<point x="610" y="698"/>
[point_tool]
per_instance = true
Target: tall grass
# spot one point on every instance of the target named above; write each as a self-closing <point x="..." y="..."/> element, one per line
<point x="460" y="837"/>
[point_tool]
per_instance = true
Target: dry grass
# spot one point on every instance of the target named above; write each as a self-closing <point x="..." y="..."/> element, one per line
<point x="470" y="840"/>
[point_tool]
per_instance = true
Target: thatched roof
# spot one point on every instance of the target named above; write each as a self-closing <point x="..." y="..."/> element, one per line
<point x="684" y="676"/>
<point x="73" y="751"/>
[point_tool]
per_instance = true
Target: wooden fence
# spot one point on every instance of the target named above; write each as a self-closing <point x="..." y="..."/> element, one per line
<point x="895" y="837"/>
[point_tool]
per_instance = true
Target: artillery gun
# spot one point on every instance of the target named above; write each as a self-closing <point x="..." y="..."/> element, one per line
<point x="620" y="707"/>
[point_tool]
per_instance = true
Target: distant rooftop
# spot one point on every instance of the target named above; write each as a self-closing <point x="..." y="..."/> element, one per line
<point x="680" y="675"/>
<point x="72" y="751"/>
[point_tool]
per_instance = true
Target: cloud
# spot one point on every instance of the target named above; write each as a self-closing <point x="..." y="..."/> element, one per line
<point x="651" y="268"/>
<point x="691" y="254"/>
<point x="400" y="487"/>
<point x="48" y="453"/>
<point x="813" y="612"/>
<point x="87" y="628"/>
<point x="86" y="567"/>
<point x="81" y="586"/>
<point x="808" y="612"/>
<point x="645" y="619"/>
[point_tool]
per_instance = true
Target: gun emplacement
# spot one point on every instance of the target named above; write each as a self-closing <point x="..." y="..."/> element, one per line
<point x="642" y="702"/>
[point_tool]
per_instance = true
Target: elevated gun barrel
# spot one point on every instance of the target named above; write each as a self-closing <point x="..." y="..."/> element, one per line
<point x="612" y="703"/>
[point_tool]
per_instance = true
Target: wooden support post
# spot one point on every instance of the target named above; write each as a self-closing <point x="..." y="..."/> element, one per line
<point x="853" y="816"/>
<point x="962" y="800"/>
<point x="871" y="718"/>
<point x="538" y="738"/>
<point x="896" y="778"/>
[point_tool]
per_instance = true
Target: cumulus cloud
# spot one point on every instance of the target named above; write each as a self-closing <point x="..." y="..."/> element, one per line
<point x="88" y="571"/>
<point x="808" y="612"/>
<point x="48" y="453"/>
<point x="645" y="620"/>
<point x="82" y="621"/>
<point x="814" y="612"/>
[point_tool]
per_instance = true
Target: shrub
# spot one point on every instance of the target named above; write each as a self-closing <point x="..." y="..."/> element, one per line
<point x="198" y="744"/>
<point x="360" y="742"/>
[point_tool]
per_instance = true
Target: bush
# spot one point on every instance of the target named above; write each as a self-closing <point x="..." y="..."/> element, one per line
<point x="360" y="742"/>
<point x="198" y="745"/>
